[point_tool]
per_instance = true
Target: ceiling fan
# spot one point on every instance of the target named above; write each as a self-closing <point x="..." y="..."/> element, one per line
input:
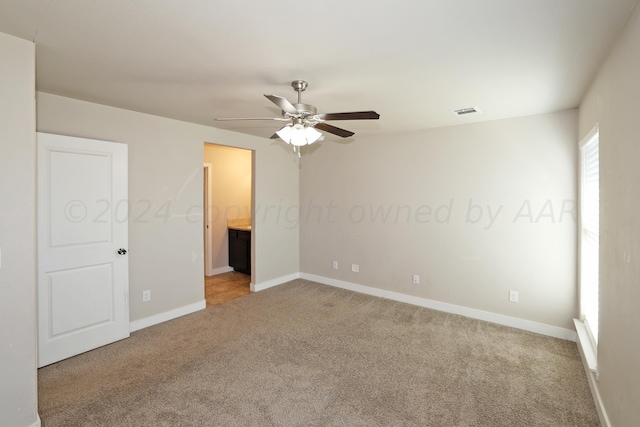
<point x="304" y="120"/>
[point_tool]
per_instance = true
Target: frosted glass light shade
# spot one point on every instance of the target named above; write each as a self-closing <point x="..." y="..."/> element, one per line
<point x="298" y="134"/>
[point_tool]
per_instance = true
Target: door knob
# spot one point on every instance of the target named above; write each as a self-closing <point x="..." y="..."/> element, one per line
<point x="122" y="251"/>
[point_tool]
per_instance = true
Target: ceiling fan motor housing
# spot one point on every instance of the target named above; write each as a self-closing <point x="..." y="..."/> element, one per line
<point x="304" y="109"/>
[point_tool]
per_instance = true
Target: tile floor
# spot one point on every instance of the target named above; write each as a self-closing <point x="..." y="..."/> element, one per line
<point x="226" y="286"/>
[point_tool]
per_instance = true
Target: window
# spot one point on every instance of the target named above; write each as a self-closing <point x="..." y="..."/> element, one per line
<point x="590" y="232"/>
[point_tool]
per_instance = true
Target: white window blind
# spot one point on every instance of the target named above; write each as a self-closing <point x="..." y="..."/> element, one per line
<point x="590" y="232"/>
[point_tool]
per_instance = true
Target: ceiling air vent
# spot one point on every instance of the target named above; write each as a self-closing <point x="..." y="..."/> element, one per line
<point x="465" y="111"/>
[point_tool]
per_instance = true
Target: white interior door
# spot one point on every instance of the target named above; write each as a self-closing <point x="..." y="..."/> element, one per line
<point x="83" y="271"/>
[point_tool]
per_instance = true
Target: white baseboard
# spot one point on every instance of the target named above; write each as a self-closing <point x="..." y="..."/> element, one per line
<point x="38" y="423"/>
<point x="514" y="322"/>
<point x="257" y="287"/>
<point x="201" y="305"/>
<point x="220" y="270"/>
<point x="167" y="315"/>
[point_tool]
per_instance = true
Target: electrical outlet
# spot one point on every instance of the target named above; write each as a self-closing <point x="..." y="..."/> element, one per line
<point x="513" y="296"/>
<point x="355" y="268"/>
<point x="146" y="296"/>
<point x="335" y="265"/>
<point x="416" y="279"/>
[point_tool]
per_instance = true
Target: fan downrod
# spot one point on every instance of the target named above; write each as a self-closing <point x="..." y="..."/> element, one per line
<point x="304" y="109"/>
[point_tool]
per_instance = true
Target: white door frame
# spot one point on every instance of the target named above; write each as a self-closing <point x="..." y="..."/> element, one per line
<point x="206" y="219"/>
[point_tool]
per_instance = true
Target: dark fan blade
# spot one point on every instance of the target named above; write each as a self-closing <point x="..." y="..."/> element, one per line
<point x="274" y="136"/>
<point x="334" y="130"/>
<point x="355" y="115"/>
<point x="284" y="105"/>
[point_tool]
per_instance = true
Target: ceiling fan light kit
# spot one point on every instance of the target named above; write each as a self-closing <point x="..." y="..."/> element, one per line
<point x="305" y="120"/>
<point x="299" y="134"/>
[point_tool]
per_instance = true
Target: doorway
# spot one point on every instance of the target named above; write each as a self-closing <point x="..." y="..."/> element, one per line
<point x="228" y="202"/>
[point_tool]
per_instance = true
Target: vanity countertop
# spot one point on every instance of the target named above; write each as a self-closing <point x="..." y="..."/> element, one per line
<point x="240" y="224"/>
<point x="240" y="227"/>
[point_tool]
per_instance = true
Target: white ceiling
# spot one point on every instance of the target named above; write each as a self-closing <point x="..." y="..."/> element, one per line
<point x="413" y="61"/>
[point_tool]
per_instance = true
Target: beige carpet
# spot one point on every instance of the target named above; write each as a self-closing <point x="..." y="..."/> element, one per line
<point x="305" y="354"/>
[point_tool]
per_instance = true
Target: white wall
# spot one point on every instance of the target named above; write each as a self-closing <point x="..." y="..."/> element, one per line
<point x="612" y="102"/>
<point x="18" y="387"/>
<point x="474" y="210"/>
<point x="230" y="195"/>
<point x="165" y="174"/>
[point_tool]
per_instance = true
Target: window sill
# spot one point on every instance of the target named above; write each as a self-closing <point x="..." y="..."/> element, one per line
<point x="586" y="346"/>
